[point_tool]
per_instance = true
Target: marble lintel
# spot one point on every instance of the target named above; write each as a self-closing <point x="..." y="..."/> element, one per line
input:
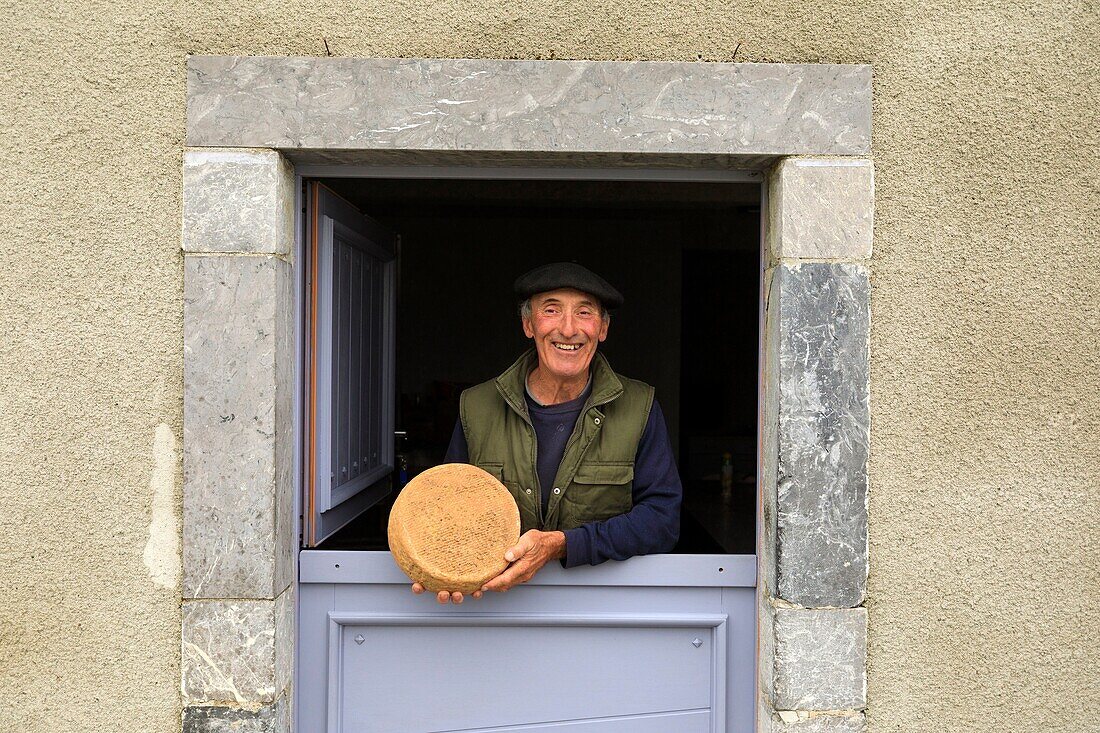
<point x="471" y="105"/>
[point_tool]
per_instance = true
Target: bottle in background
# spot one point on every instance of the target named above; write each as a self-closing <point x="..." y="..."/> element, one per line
<point x="402" y="458"/>
<point x="727" y="473"/>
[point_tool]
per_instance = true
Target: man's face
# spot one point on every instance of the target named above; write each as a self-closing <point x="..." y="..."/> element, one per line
<point x="566" y="326"/>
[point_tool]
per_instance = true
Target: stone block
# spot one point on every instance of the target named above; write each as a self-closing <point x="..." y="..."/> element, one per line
<point x="816" y="433"/>
<point x="232" y="719"/>
<point x="769" y="439"/>
<point x="805" y="722"/>
<point x="286" y="537"/>
<point x="820" y="659"/>
<point x="284" y="713"/>
<point x="237" y="200"/>
<point x="284" y="641"/>
<point x="236" y="437"/>
<point x="821" y="208"/>
<point x="765" y="623"/>
<point x="228" y="652"/>
<point x="502" y="106"/>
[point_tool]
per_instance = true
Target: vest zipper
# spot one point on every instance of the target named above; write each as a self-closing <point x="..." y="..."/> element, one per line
<point x="577" y="430"/>
<point x="521" y="409"/>
<point x="534" y="466"/>
<point x="539" y="519"/>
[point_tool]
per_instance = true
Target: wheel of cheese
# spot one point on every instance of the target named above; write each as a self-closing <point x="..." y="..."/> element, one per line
<point x="450" y="526"/>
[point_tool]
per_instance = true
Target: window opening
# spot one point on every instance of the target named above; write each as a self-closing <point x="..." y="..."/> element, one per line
<point x="684" y="254"/>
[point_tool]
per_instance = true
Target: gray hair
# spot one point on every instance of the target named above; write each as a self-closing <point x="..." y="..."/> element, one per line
<point x="525" y="311"/>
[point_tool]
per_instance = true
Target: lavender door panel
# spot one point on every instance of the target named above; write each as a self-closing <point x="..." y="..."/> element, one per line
<point x="662" y="643"/>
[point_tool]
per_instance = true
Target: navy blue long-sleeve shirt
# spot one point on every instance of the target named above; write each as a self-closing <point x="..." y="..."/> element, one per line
<point x="653" y="523"/>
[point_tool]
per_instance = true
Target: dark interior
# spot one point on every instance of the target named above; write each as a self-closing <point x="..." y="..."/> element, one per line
<point x="684" y="255"/>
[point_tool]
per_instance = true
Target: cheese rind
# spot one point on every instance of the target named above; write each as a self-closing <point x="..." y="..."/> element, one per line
<point x="450" y="526"/>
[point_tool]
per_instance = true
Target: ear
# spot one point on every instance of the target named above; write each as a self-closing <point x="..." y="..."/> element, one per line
<point x="530" y="333"/>
<point x="603" y="330"/>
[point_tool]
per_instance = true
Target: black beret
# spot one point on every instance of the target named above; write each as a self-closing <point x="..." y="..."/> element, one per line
<point x="567" y="275"/>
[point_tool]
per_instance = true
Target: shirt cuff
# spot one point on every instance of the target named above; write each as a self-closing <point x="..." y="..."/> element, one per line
<point x="576" y="548"/>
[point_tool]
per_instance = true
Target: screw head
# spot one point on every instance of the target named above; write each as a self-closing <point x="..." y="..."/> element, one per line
<point x="359" y="639"/>
<point x="697" y="642"/>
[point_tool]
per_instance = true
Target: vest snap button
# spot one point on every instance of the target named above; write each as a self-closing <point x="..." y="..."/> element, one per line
<point x="596" y="420"/>
<point x="528" y="491"/>
<point x="557" y="491"/>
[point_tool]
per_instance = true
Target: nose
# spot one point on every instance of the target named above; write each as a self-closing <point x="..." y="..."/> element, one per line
<point x="568" y="326"/>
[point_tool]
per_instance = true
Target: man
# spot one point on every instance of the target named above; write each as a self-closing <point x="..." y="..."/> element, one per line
<point x="584" y="451"/>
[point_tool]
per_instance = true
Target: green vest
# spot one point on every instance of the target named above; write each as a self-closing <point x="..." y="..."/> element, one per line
<point x="596" y="475"/>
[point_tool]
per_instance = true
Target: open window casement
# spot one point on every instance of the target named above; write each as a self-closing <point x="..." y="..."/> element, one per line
<point x="352" y="283"/>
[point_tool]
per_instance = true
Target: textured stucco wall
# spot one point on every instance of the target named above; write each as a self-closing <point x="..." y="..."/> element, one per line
<point x="985" y="559"/>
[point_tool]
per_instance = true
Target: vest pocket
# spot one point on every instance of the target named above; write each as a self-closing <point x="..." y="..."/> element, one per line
<point x="599" y="491"/>
<point x="527" y="517"/>
<point x="496" y="470"/>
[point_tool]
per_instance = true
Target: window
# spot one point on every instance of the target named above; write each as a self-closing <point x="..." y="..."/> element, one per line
<point x="352" y="301"/>
<point x="685" y="254"/>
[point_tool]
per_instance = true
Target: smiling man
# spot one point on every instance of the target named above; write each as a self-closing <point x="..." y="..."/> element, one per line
<point x="584" y="451"/>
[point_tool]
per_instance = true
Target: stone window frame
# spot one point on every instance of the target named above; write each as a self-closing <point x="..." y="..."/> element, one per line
<point x="250" y="120"/>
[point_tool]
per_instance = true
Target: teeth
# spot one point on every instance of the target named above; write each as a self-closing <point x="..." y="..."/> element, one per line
<point x="567" y="347"/>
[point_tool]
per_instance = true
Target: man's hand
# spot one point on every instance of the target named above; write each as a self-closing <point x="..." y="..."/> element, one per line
<point x="445" y="597"/>
<point x="533" y="550"/>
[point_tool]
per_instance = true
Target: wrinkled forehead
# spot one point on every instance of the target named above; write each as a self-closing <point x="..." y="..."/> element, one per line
<point x="565" y="296"/>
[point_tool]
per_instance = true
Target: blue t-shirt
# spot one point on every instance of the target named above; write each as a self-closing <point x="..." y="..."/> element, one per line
<point x="652" y="525"/>
<point x="553" y="425"/>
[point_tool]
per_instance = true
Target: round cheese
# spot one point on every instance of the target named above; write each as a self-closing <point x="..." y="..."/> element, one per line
<point x="450" y="526"/>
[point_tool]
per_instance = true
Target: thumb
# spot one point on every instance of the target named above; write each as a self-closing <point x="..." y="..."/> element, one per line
<point x="519" y="550"/>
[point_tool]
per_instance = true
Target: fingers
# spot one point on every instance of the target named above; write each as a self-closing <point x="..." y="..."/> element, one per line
<point x="521" y="548"/>
<point x="444" y="597"/>
<point x="519" y="571"/>
<point x="511" y="577"/>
